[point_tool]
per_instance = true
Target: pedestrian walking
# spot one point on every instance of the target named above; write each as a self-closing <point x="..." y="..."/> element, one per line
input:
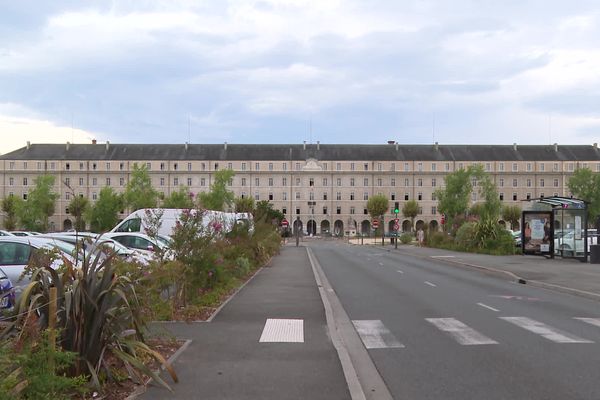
<point x="420" y="237"/>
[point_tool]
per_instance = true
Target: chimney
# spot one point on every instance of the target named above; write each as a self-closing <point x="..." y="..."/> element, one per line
<point x="68" y="144"/>
<point x="225" y="145"/>
<point x="94" y="141"/>
<point x="514" y="146"/>
<point x="28" y="144"/>
<point x="436" y="146"/>
<point x="186" y="146"/>
<point x="305" y="145"/>
<point x="107" y="144"/>
<point x="596" y="146"/>
<point x="396" y="146"/>
<point x="318" y="145"/>
<point x="555" y="146"/>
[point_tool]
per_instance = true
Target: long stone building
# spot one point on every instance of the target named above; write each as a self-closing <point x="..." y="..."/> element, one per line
<point x="326" y="185"/>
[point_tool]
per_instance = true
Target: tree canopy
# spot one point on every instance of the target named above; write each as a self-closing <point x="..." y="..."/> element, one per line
<point x="585" y="185"/>
<point x="104" y="214"/>
<point x="9" y="208"/>
<point x="377" y="205"/>
<point x="244" y="204"/>
<point x="512" y="214"/>
<point x="219" y="196"/>
<point x="78" y="207"/>
<point x="181" y="198"/>
<point x="410" y="209"/>
<point x="139" y="192"/>
<point x="39" y="206"/>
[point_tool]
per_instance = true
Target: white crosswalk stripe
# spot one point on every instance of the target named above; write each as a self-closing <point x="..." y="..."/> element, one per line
<point x="554" y="334"/>
<point x="460" y="332"/>
<point x="591" y="321"/>
<point x="375" y="335"/>
<point x="283" y="331"/>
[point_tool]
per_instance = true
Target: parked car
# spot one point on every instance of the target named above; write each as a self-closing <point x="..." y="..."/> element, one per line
<point x="24" y="233"/>
<point x="7" y="293"/>
<point x="15" y="255"/>
<point x="5" y="233"/>
<point x="140" y="241"/>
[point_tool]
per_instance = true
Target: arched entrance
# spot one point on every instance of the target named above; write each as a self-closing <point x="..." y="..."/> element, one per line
<point x="420" y="224"/>
<point x="67" y="225"/>
<point x="391" y="226"/>
<point x="325" y="230"/>
<point x="298" y="226"/>
<point x="406" y="225"/>
<point x="365" y="227"/>
<point x="311" y="227"/>
<point x="338" y="228"/>
<point x="433" y="226"/>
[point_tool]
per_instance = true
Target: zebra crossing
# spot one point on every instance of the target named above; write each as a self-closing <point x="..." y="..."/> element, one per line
<point x="375" y="335"/>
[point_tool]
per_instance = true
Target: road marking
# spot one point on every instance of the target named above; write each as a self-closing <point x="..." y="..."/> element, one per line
<point x="591" y="321"/>
<point x="460" y="332"/>
<point x="381" y="264"/>
<point x="553" y="334"/>
<point x="515" y="297"/>
<point x="401" y="271"/>
<point x="430" y="284"/>
<point x="488" y="307"/>
<point x="442" y="256"/>
<point x="283" y="331"/>
<point x="375" y="335"/>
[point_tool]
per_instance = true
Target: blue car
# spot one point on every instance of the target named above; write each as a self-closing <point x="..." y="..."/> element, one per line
<point x="7" y="293"/>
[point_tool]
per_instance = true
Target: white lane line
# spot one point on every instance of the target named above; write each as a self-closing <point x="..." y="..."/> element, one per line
<point x="375" y="335"/>
<point x="591" y="321"/>
<point x="460" y="332"/>
<point x="550" y="333"/>
<point x="488" y="307"/>
<point x="283" y="331"/>
<point x="442" y="256"/>
<point x="381" y="264"/>
<point x="430" y="284"/>
<point x="401" y="272"/>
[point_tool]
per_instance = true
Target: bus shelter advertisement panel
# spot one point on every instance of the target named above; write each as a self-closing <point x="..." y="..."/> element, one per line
<point x="537" y="232"/>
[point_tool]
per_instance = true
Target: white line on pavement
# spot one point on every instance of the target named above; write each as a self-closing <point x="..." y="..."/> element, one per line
<point x="381" y="264"/>
<point x="488" y="307"/>
<point x="460" y="332"/>
<point x="283" y="331"/>
<point x="375" y="335"/>
<point x="430" y="284"/>
<point x="442" y="256"/>
<point x="550" y="333"/>
<point x="401" y="271"/>
<point x="591" y="321"/>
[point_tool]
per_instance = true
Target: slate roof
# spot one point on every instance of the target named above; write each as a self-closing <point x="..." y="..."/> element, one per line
<point x="283" y="152"/>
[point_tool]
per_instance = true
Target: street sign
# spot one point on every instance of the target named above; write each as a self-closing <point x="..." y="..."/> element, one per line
<point x="284" y="223"/>
<point x="396" y="226"/>
<point x="396" y="221"/>
<point x="375" y="224"/>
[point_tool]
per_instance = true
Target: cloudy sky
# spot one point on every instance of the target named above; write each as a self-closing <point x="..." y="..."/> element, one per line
<point x="284" y="71"/>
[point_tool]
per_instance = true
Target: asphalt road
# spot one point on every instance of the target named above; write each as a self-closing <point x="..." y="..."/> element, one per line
<point x="436" y="331"/>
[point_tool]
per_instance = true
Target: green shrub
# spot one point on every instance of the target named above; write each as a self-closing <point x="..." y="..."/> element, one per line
<point x="439" y="239"/>
<point x="406" y="238"/>
<point x="465" y="236"/>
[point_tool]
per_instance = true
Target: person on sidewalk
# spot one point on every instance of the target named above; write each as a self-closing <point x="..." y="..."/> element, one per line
<point x="420" y="237"/>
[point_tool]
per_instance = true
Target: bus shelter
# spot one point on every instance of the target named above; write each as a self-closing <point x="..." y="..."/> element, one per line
<point x="561" y="231"/>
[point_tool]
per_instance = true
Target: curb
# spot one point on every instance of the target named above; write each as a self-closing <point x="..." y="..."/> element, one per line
<point x="140" y="390"/>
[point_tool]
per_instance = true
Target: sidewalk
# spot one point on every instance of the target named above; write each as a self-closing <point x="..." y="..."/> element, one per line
<point x="226" y="360"/>
<point x="566" y="275"/>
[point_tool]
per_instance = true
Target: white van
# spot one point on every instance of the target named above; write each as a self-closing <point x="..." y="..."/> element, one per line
<point x="137" y="221"/>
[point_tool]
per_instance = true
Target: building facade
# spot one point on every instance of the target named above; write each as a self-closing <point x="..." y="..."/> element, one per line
<point x="321" y="188"/>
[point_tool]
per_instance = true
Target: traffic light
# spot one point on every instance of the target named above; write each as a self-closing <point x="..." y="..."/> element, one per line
<point x="396" y="207"/>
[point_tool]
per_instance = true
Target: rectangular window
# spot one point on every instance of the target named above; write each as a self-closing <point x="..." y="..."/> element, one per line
<point x="379" y="166"/>
<point x="229" y="166"/>
<point x="80" y="181"/>
<point x="202" y="181"/>
<point x="243" y="166"/>
<point x="175" y="181"/>
<point x="284" y="196"/>
<point x="351" y="181"/>
<point x="406" y="182"/>
<point x="189" y="182"/>
<point x="447" y="167"/>
<point x="324" y="210"/>
<point x="175" y="166"/>
<point x="501" y="196"/>
<point x="162" y="181"/>
<point x="379" y="182"/>
<point x="352" y="196"/>
<point x="67" y="196"/>
<point x="351" y="166"/>
<point x="11" y="165"/>
<point x="257" y="166"/>
<point x="366" y="182"/>
<point x="339" y="181"/>
<point x="270" y="166"/>
<point x="501" y="182"/>
<point x="460" y="166"/>
<point x="420" y="196"/>
<point x="542" y="167"/>
<point x="488" y="167"/>
<point x="433" y="182"/>
<point x="297" y="181"/>
<point x="420" y="182"/>
<point x="406" y="166"/>
<point x="393" y="182"/>
<point x="528" y="182"/>
<point x="324" y="166"/>
<point x="297" y="166"/>
<point x="501" y="167"/>
<point x="555" y="182"/>
<point x="528" y="167"/>
<point x="570" y="166"/>
<point x="338" y="195"/>
<point x="216" y="166"/>
<point x="433" y="210"/>
<point x="352" y="210"/>
<point x="515" y="167"/>
<point x="514" y="197"/>
<point x="189" y="166"/>
<point x="107" y="181"/>
<point x="297" y="195"/>
<point x="283" y="181"/>
<point x="514" y="183"/>
<point x="256" y="181"/>
<point x="24" y="181"/>
<point x="94" y="196"/>
<point x="324" y="181"/>
<point x="67" y="166"/>
<point x="366" y="196"/>
<point x="121" y="181"/>
<point x="338" y="210"/>
<point x="338" y="166"/>
<point x="555" y="167"/>
<point x="542" y="182"/>
<point x="420" y="167"/>
<point x="284" y="210"/>
<point x="243" y="181"/>
<point x="94" y="181"/>
<point x="256" y="196"/>
<point x="324" y="195"/>
<point x="311" y="196"/>
<point x="270" y="181"/>
<point x="393" y="167"/>
<point x="311" y="181"/>
<point x="53" y="166"/>
<point x="433" y="167"/>
<point x="271" y="196"/>
<point x="11" y="181"/>
<point x="148" y="166"/>
<point x="406" y="198"/>
<point x="392" y="196"/>
<point x="366" y="167"/>
<point x="284" y="166"/>
<point x="39" y="165"/>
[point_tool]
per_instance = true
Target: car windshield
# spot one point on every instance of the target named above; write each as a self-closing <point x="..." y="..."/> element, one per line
<point x="164" y="242"/>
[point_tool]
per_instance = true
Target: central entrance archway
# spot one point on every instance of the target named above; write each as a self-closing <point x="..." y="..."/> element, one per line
<point x="311" y="227"/>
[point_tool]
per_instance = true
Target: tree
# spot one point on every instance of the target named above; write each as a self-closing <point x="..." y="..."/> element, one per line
<point x="139" y="192"/>
<point x="181" y="198"/>
<point x="39" y="206"/>
<point x="78" y="207"/>
<point x="264" y="211"/>
<point x="377" y="205"/>
<point x="410" y="209"/>
<point x="453" y="200"/>
<point x="9" y="208"/>
<point x="244" y="204"/>
<point x="218" y="197"/>
<point x="585" y="185"/>
<point x="490" y="208"/>
<point x="512" y="214"/>
<point x="104" y="214"/>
